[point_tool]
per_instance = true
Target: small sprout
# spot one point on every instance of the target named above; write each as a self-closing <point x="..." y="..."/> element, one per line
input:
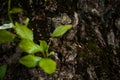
<point x="28" y="45"/>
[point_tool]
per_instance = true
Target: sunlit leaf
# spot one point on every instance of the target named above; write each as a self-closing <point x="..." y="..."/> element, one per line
<point x="60" y="30"/>
<point x="6" y="26"/>
<point x="3" y="69"/>
<point x="48" y="65"/>
<point x="16" y="10"/>
<point x="29" y="46"/>
<point x="30" y="60"/>
<point x="23" y="31"/>
<point x="43" y="45"/>
<point x="6" y="36"/>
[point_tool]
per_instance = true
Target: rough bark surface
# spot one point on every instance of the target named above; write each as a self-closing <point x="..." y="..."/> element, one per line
<point x="89" y="51"/>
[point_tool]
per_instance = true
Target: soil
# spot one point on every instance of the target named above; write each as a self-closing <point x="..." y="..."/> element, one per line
<point x="89" y="51"/>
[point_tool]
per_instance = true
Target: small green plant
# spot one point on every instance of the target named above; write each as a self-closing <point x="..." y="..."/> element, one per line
<point x="30" y="47"/>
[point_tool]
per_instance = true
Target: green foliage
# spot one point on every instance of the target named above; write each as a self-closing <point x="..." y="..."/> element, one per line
<point x="23" y="31"/>
<point x="3" y="69"/>
<point x="6" y="36"/>
<point x="43" y="45"/>
<point x="27" y="21"/>
<point x="16" y="10"/>
<point x="51" y="53"/>
<point x="30" y="60"/>
<point x="60" y="30"/>
<point x="48" y="65"/>
<point x="29" y="46"/>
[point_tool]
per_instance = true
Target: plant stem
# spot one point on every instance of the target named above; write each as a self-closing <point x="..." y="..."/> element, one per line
<point x="9" y="15"/>
<point x="44" y="55"/>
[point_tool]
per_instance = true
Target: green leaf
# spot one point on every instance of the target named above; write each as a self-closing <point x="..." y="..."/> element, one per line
<point x="43" y="45"/>
<point x="60" y="30"/>
<point x="27" y="21"/>
<point x="30" y="60"/>
<point x="16" y="10"/>
<point x="6" y="26"/>
<point x="51" y="53"/>
<point x="6" y="36"/>
<point x="29" y="46"/>
<point x="23" y="31"/>
<point x="48" y="65"/>
<point x="3" y="69"/>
